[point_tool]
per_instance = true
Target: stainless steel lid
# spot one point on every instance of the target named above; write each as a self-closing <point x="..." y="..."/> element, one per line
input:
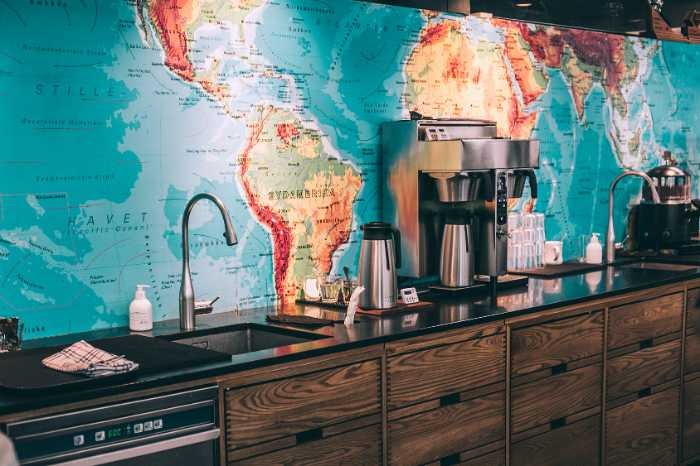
<point x="673" y="184"/>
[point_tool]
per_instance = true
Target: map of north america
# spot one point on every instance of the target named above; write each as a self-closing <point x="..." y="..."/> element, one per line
<point x="116" y="113"/>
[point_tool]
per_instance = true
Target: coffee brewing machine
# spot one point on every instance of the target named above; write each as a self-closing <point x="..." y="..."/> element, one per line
<point x="449" y="182"/>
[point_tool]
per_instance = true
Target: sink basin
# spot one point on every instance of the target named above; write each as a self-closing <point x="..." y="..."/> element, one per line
<point x="661" y="266"/>
<point x="246" y="338"/>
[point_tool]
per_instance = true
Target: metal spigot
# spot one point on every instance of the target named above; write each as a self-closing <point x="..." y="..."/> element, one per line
<point x="610" y="237"/>
<point x="187" y="311"/>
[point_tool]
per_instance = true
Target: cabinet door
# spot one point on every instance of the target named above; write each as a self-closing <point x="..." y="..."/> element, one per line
<point x="691" y="419"/>
<point x="555" y="397"/>
<point x="576" y="444"/>
<point x="642" y="369"/>
<point x="447" y="431"/>
<point x="644" y="320"/>
<point x="692" y="353"/>
<point x="361" y="447"/>
<point x="558" y="342"/>
<point x="644" y="432"/>
<point x="443" y="370"/>
<point x="267" y="411"/>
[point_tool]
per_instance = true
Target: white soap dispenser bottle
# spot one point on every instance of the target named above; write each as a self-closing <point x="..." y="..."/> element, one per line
<point x="594" y="250"/>
<point x="140" y="311"/>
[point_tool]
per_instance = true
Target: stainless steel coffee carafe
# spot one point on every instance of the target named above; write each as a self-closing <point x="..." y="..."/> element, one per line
<point x="457" y="254"/>
<point x="380" y="255"/>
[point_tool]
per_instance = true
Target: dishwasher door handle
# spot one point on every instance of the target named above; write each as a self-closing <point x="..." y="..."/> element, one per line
<point x="143" y="450"/>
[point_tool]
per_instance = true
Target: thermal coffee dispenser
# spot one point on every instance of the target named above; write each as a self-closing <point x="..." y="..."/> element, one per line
<point x="439" y="170"/>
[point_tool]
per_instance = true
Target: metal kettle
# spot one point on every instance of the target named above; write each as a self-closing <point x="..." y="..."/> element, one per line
<point x="380" y="256"/>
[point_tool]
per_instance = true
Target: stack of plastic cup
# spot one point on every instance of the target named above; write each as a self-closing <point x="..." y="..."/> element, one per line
<point x="526" y="241"/>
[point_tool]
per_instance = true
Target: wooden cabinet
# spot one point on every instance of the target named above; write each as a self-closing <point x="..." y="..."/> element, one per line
<point x="691" y="419"/>
<point x="422" y="369"/>
<point x="573" y="444"/>
<point x="557" y="342"/>
<point x="445" y="429"/>
<point x="644" y="432"/>
<point x="692" y="353"/>
<point x="359" y="447"/>
<point x="645" y="320"/>
<point x="642" y="369"/>
<point x="554" y="398"/>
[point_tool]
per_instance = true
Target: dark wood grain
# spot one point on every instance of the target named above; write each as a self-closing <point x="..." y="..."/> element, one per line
<point x="443" y="370"/>
<point x="445" y="337"/>
<point x="496" y="458"/>
<point x="643" y="369"/>
<point x="692" y="353"/>
<point x="264" y="412"/>
<point x="693" y="306"/>
<point x="360" y="447"/>
<point x="640" y="321"/>
<point x="691" y="419"/>
<point x="558" y="342"/>
<point x="575" y="444"/>
<point x="644" y="432"/>
<point x="558" y="396"/>
<point x="446" y="431"/>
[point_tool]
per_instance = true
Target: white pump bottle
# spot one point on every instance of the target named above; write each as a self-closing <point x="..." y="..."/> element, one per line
<point x="140" y="311"/>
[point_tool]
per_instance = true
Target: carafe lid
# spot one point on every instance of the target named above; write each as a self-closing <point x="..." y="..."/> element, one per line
<point x="377" y="231"/>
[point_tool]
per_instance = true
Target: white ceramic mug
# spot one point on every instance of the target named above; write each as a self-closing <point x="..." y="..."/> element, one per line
<point x="553" y="252"/>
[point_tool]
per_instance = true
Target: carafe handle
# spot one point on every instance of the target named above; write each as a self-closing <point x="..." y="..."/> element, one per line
<point x="397" y="246"/>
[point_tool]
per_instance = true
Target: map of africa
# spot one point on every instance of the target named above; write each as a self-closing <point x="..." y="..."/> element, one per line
<point x="115" y="113"/>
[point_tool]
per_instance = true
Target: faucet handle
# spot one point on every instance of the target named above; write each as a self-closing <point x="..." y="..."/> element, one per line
<point x="203" y="307"/>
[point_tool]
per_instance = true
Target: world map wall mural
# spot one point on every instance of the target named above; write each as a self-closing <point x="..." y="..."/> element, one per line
<point x="114" y="114"/>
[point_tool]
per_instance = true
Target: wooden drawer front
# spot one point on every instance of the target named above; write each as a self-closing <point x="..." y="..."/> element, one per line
<point x="577" y="443"/>
<point x="446" y="431"/>
<point x="443" y="370"/>
<point x="644" y="432"/>
<point x="554" y="343"/>
<point x="552" y="398"/>
<point x="496" y="458"/>
<point x="267" y="411"/>
<point x="692" y="353"/>
<point x="693" y="322"/>
<point x="360" y="447"/>
<point x="641" y="321"/>
<point x="691" y="419"/>
<point x="642" y="369"/>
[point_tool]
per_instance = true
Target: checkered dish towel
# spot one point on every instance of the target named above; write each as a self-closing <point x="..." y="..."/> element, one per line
<point x="83" y="358"/>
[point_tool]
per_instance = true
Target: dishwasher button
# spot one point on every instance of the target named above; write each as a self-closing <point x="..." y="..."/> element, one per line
<point x="138" y="428"/>
<point x="78" y="440"/>
<point x="158" y="424"/>
<point x="100" y="436"/>
<point x="148" y="426"/>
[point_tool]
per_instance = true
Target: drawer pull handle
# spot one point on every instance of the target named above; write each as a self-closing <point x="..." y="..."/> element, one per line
<point x="450" y="460"/>
<point x="309" y="435"/>
<point x="648" y="343"/>
<point x="643" y="393"/>
<point x="557" y="423"/>
<point x="560" y="369"/>
<point x="449" y="400"/>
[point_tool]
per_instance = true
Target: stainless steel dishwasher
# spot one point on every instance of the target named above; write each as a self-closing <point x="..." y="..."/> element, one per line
<point x="178" y="428"/>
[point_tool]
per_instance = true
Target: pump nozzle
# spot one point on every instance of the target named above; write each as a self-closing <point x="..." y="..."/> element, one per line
<point x="140" y="291"/>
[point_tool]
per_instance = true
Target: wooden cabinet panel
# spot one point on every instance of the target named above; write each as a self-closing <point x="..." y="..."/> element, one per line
<point x="497" y="458"/>
<point x="642" y="369"/>
<point x="644" y="432"/>
<point x="691" y="419"/>
<point x="263" y="412"/>
<point x="554" y="343"/>
<point x="448" y="430"/>
<point x="643" y="320"/>
<point x="692" y="353"/>
<point x="360" y="447"/>
<point x="552" y="398"/>
<point x="577" y="443"/>
<point x="693" y="322"/>
<point x="443" y="370"/>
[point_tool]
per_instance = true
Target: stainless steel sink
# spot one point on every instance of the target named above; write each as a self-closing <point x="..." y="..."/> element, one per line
<point x="661" y="266"/>
<point x="246" y="338"/>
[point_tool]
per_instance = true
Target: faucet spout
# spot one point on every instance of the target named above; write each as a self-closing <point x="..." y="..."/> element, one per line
<point x="187" y="311"/>
<point x="610" y="236"/>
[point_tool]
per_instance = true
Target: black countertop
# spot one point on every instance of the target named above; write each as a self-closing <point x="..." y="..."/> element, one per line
<point x="448" y="313"/>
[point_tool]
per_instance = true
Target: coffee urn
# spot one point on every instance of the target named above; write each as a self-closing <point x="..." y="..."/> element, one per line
<point x="380" y="255"/>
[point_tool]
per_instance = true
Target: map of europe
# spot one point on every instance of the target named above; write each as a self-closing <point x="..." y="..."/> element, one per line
<point x="115" y="113"/>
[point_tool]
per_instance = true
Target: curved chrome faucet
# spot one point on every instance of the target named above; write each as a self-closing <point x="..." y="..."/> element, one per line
<point x="610" y="237"/>
<point x="187" y="312"/>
